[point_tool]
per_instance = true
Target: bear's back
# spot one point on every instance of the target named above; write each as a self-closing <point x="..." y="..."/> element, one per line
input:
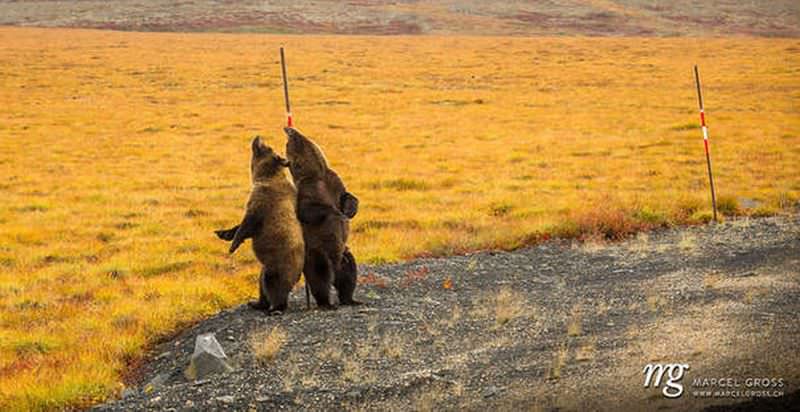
<point x="279" y="244"/>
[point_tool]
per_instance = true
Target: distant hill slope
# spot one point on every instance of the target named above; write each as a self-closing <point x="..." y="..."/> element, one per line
<point x="472" y="17"/>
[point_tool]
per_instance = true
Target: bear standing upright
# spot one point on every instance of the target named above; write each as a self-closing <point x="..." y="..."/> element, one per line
<point x="324" y="207"/>
<point x="271" y="221"/>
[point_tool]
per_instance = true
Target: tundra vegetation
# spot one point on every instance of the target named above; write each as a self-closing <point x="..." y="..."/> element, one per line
<point x="122" y="152"/>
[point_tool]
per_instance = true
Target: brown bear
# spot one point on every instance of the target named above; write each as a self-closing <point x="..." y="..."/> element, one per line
<point x="271" y="221"/>
<point x="324" y="207"/>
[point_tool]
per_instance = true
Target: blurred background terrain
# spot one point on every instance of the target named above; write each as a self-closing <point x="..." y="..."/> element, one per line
<point x="383" y="17"/>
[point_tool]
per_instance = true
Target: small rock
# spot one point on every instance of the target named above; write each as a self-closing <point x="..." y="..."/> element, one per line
<point x="205" y="364"/>
<point x="208" y="358"/>
<point x="226" y="399"/>
<point x="231" y="338"/>
<point x="163" y="355"/>
<point x="354" y="394"/>
<point x="156" y="399"/>
<point x="159" y="380"/>
<point x="262" y="399"/>
<point x="189" y="403"/>
<point x="128" y="392"/>
<point x="491" y="391"/>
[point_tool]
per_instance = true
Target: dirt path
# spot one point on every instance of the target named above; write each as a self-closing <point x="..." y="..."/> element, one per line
<point x="557" y="326"/>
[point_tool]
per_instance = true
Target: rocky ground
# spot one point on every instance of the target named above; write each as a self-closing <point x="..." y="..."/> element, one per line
<point x="559" y="326"/>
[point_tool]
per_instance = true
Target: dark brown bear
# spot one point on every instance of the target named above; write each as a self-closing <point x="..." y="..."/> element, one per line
<point x="271" y="221"/>
<point x="324" y="208"/>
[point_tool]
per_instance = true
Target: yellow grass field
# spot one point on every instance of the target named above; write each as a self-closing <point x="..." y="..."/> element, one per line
<point x="120" y="153"/>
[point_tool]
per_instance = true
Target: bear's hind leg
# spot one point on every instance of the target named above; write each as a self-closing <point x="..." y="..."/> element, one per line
<point x="346" y="279"/>
<point x="319" y="273"/>
<point x="277" y="289"/>
<point x="263" y="301"/>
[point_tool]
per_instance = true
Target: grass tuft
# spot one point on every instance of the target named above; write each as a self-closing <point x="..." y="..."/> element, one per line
<point x="728" y="205"/>
<point x="508" y="306"/>
<point x="267" y="345"/>
<point x="560" y="359"/>
<point x="574" y="326"/>
<point x="685" y="126"/>
<point x="400" y="185"/>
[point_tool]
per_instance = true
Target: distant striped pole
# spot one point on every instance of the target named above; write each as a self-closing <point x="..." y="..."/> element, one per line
<point x="286" y="91"/>
<point x="705" y="140"/>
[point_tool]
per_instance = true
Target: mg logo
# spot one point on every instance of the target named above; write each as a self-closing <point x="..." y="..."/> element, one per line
<point x="654" y="373"/>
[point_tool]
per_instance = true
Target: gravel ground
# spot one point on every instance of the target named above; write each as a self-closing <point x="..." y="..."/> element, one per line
<point x="559" y="326"/>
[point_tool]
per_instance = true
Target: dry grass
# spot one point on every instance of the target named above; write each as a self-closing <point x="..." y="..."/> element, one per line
<point x="594" y="245"/>
<point x="351" y="365"/>
<point x="754" y="294"/>
<point x="121" y="152"/>
<point x="392" y="345"/>
<point x="655" y="300"/>
<point x="452" y="319"/>
<point x="266" y="345"/>
<point x="427" y="400"/>
<point x="602" y="307"/>
<point x="688" y="243"/>
<point x="292" y="375"/>
<point x="643" y="246"/>
<point x="508" y="306"/>
<point x="586" y="351"/>
<point x="575" y="324"/>
<point x="332" y="353"/>
<point x="352" y="371"/>
<point x="560" y="359"/>
<point x="711" y="280"/>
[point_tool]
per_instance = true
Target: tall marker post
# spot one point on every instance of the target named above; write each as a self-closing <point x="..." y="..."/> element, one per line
<point x="289" y="123"/>
<point x="705" y="140"/>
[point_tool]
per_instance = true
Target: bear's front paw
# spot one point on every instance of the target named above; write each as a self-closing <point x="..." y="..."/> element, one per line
<point x="225" y="234"/>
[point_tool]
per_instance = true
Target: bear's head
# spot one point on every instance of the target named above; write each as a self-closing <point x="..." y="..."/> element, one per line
<point x="306" y="160"/>
<point x="265" y="163"/>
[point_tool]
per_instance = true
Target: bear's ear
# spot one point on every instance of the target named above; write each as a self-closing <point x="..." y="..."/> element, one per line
<point x="348" y="204"/>
<point x="257" y="146"/>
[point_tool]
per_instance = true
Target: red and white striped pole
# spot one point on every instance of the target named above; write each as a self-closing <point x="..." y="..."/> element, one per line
<point x="705" y="141"/>
<point x="289" y="122"/>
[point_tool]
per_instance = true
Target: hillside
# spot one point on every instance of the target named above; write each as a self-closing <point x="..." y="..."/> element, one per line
<point x="467" y="17"/>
